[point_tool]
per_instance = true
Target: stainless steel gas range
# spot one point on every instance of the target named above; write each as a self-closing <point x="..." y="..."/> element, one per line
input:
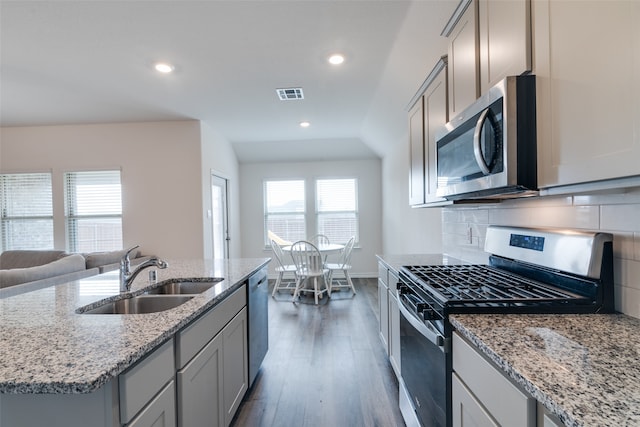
<point x="529" y="271"/>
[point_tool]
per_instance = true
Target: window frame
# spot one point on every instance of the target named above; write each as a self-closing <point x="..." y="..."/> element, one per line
<point x="266" y="213"/>
<point x="356" y="211"/>
<point x="6" y="219"/>
<point x="72" y="217"/>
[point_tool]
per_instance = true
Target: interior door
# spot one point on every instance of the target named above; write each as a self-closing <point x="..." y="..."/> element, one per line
<point x="219" y="217"/>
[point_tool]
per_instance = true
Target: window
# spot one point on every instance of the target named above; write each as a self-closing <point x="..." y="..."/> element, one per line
<point x="26" y="211"/>
<point x="93" y="211"/>
<point x="284" y="213"/>
<point x="337" y="209"/>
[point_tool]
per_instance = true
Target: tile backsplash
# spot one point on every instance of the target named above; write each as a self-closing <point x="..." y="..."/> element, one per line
<point x="464" y="228"/>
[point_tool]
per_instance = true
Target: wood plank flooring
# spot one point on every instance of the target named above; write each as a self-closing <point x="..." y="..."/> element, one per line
<point x="326" y="366"/>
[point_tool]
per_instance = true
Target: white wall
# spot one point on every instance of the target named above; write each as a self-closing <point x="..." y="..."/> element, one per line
<point x="613" y="212"/>
<point x="218" y="157"/>
<point x="406" y="230"/>
<point x="368" y="173"/>
<point x="416" y="50"/>
<point x="161" y="177"/>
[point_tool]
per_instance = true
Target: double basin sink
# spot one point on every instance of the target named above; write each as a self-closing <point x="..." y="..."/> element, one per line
<point x="156" y="299"/>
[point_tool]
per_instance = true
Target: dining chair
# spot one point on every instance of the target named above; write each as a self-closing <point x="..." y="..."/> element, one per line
<point x="342" y="265"/>
<point x="282" y="268"/>
<point x="320" y="240"/>
<point x="309" y="265"/>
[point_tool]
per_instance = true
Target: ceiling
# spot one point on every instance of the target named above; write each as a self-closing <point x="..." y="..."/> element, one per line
<point x="73" y="62"/>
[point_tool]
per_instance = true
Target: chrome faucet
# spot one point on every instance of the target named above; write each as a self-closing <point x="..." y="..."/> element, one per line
<point x="127" y="275"/>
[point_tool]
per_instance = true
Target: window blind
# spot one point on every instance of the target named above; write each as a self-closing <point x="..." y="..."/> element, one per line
<point x="26" y="211"/>
<point x="337" y="209"/>
<point x="93" y="211"/>
<point x="284" y="210"/>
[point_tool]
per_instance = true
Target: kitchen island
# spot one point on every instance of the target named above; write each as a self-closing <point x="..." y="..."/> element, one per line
<point x="49" y="348"/>
<point x="582" y="368"/>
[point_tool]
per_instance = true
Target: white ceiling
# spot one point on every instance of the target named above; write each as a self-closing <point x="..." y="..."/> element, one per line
<point x="71" y="62"/>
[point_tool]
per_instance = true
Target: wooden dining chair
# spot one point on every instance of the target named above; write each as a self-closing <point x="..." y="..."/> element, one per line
<point x="282" y="269"/>
<point x="309" y="265"/>
<point x="343" y="265"/>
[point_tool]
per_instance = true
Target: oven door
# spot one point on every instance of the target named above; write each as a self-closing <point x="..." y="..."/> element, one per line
<point x="423" y="365"/>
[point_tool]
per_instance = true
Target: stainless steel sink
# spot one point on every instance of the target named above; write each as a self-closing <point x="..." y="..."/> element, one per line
<point x="140" y="304"/>
<point x="185" y="287"/>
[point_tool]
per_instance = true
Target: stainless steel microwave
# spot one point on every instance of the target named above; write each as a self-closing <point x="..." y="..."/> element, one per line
<point x="489" y="149"/>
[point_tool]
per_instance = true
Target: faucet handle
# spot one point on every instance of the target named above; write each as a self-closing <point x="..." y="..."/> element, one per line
<point x="126" y="255"/>
<point x="124" y="261"/>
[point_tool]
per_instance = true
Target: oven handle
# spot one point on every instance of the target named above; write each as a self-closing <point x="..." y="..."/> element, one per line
<point x="424" y="330"/>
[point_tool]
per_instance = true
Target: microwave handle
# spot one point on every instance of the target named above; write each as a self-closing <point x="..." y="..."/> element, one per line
<point x="477" y="150"/>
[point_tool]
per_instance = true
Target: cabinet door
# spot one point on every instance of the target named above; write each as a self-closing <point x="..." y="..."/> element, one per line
<point x="466" y="410"/>
<point x="200" y="388"/>
<point x="394" y="333"/>
<point x="416" y="154"/>
<point x="463" y="61"/>
<point x="435" y="116"/>
<point x="236" y="372"/>
<point x="383" y="311"/>
<point x="587" y="62"/>
<point x="160" y="412"/>
<point x="504" y="31"/>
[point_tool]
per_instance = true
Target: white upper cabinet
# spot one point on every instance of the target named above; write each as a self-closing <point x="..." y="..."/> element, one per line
<point x="504" y="32"/>
<point x="428" y="113"/>
<point x="463" y="57"/>
<point x="416" y="154"/>
<point x="587" y="59"/>
<point x="488" y="41"/>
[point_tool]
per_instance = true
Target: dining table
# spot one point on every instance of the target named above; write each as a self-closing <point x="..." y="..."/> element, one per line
<point x="325" y="250"/>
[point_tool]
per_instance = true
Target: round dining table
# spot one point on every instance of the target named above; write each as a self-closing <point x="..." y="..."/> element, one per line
<point x="324" y="249"/>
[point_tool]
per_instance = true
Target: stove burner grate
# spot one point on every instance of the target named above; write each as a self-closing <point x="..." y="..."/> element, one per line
<point x="463" y="284"/>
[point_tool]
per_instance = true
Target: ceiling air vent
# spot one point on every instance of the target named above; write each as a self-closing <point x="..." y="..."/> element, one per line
<point x="289" y="94"/>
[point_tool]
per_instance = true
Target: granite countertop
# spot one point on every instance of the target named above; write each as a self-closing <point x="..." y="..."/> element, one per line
<point x="47" y="347"/>
<point x="584" y="368"/>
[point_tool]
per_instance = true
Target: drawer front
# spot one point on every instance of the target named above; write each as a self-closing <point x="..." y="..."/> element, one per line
<point x="140" y="383"/>
<point x="382" y="273"/>
<point x="393" y="281"/>
<point x="503" y="399"/>
<point x="160" y="412"/>
<point x="190" y="340"/>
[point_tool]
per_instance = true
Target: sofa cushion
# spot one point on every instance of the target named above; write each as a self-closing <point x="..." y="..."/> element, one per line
<point x="67" y="264"/>
<point x="28" y="258"/>
<point x="98" y="259"/>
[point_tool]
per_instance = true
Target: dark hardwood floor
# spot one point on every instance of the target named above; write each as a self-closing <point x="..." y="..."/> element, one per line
<point x="326" y="366"/>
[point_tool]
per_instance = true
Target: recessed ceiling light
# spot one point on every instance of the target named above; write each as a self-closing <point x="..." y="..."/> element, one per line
<point x="305" y="124"/>
<point x="163" y="67"/>
<point x="336" y="59"/>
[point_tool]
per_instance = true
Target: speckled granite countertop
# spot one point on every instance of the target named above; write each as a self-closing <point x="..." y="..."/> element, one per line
<point x="46" y="347"/>
<point x="584" y="368"/>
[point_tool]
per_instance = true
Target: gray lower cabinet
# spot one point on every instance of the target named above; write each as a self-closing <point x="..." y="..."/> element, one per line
<point x="383" y="310"/>
<point x="212" y="364"/>
<point x="160" y="412"/>
<point x="200" y="387"/>
<point x="482" y="396"/>
<point x="235" y="364"/>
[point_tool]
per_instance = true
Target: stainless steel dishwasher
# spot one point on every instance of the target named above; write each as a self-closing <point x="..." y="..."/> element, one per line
<point x="258" y="309"/>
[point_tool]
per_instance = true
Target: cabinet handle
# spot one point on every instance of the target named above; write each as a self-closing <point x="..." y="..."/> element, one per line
<point x="477" y="150"/>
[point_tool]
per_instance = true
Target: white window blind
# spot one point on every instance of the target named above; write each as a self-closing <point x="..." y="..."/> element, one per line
<point x="93" y="211"/>
<point x="337" y="209"/>
<point x="26" y="211"/>
<point x="284" y="210"/>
